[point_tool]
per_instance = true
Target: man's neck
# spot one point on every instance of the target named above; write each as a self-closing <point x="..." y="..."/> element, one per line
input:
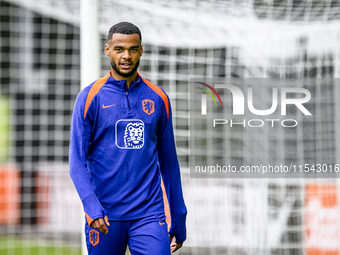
<point x="133" y="77"/>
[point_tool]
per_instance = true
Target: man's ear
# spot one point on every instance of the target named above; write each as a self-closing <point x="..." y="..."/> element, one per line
<point x="107" y="50"/>
<point x="141" y="50"/>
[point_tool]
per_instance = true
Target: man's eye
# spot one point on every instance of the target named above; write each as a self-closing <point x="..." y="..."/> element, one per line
<point x="133" y="49"/>
<point x="118" y="49"/>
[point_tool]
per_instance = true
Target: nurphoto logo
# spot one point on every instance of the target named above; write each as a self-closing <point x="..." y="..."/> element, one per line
<point x="244" y="100"/>
<point x="262" y="127"/>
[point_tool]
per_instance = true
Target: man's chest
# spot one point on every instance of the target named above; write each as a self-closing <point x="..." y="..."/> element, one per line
<point x="128" y="118"/>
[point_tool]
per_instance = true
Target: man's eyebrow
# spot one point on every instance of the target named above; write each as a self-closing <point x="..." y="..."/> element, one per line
<point x="121" y="47"/>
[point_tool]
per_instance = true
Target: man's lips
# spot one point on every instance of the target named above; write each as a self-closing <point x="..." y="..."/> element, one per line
<point x="126" y="65"/>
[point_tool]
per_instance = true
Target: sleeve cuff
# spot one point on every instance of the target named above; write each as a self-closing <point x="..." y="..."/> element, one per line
<point x="93" y="209"/>
<point x="180" y="237"/>
<point x="89" y="219"/>
<point x="178" y="228"/>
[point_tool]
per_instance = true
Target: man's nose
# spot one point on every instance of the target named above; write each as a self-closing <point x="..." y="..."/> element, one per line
<point x="126" y="54"/>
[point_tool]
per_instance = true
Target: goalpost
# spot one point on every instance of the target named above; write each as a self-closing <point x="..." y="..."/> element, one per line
<point x="90" y="59"/>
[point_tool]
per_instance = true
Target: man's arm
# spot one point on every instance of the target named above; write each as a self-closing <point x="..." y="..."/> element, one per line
<point x="171" y="177"/>
<point x="80" y="137"/>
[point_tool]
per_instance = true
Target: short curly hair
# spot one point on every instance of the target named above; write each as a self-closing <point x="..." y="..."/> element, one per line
<point x="125" y="28"/>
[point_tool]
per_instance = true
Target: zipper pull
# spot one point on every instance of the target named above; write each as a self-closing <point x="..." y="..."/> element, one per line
<point x="126" y="92"/>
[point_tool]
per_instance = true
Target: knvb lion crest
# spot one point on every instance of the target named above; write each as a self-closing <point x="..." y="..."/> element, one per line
<point x="148" y="106"/>
<point x="130" y="134"/>
<point x="134" y="135"/>
<point x="94" y="237"/>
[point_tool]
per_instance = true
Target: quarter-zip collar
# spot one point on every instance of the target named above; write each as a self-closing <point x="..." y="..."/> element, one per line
<point x="121" y="84"/>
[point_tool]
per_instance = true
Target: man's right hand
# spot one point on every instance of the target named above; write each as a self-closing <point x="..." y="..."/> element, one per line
<point x="100" y="224"/>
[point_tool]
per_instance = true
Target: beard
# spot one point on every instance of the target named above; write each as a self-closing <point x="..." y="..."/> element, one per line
<point x="125" y="75"/>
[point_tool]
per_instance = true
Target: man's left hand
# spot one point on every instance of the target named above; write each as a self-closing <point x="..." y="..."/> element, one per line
<point x="173" y="245"/>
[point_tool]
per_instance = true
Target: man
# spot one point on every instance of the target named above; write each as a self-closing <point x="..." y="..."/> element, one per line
<point x="121" y="146"/>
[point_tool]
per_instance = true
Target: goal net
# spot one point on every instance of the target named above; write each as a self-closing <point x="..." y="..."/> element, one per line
<point x="40" y="212"/>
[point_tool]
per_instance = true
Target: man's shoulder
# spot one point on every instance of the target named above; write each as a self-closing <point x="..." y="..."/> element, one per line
<point x="159" y="91"/>
<point x="92" y="89"/>
<point x="160" y="95"/>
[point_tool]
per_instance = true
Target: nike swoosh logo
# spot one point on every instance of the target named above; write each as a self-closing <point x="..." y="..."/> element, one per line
<point x="106" y="106"/>
<point x="160" y="223"/>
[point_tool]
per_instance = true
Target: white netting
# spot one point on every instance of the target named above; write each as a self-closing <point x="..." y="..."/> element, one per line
<point x="40" y="77"/>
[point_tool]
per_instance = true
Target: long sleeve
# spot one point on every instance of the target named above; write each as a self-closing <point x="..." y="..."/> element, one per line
<point x="169" y="167"/>
<point x="80" y="138"/>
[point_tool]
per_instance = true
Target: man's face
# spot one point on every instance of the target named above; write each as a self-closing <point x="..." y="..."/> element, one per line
<point x="124" y="52"/>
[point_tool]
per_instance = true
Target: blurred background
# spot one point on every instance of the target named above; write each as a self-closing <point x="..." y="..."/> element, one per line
<point x="40" y="76"/>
